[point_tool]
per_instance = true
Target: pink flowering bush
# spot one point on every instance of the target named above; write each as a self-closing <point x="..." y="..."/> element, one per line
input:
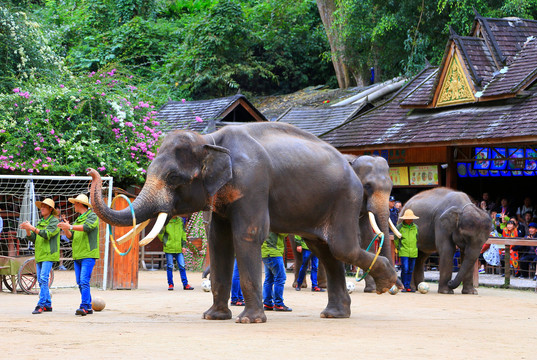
<point x="99" y="120"/>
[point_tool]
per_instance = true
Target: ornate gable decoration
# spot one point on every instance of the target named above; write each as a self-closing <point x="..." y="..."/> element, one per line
<point x="455" y="87"/>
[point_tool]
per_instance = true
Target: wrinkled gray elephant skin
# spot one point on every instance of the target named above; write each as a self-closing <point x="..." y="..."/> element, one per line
<point x="374" y="174"/>
<point x="258" y="177"/>
<point x="448" y="219"/>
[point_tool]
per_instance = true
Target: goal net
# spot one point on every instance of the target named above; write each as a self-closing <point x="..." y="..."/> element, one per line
<point x="18" y="195"/>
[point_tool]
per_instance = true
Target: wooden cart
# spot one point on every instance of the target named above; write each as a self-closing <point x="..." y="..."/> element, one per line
<point x="20" y="271"/>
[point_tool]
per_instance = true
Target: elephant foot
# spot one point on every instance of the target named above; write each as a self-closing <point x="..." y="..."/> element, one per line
<point x="445" y="290"/>
<point x="332" y="312"/>
<point x="251" y="317"/>
<point x="370" y="289"/>
<point x="384" y="275"/>
<point x="471" y="291"/>
<point x="217" y="313"/>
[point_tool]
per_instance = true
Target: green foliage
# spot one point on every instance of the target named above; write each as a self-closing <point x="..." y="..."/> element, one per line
<point x="98" y="120"/>
<point x="25" y="51"/>
<point x="216" y="55"/>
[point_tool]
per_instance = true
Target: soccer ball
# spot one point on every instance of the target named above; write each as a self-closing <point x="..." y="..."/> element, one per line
<point x="393" y="290"/>
<point x="206" y="285"/>
<point x="97" y="304"/>
<point x="350" y="287"/>
<point x="423" y="287"/>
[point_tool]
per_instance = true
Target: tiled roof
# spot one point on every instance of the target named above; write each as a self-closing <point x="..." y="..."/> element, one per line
<point x="509" y="33"/>
<point x="318" y="120"/>
<point x="391" y="125"/>
<point x="518" y="74"/>
<point x="182" y="115"/>
<point x="423" y="91"/>
<point x="477" y="57"/>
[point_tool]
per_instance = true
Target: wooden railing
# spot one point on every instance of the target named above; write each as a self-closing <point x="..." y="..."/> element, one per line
<point x="508" y="242"/>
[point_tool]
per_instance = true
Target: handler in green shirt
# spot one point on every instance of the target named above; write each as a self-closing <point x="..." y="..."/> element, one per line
<point x="173" y="236"/>
<point x="84" y="233"/>
<point x="272" y="254"/>
<point x="46" y="236"/>
<point x="407" y="246"/>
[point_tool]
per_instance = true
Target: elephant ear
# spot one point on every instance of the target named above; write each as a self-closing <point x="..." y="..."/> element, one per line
<point x="449" y="219"/>
<point x="216" y="171"/>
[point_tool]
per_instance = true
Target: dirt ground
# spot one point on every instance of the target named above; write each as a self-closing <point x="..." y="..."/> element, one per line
<point x="152" y="322"/>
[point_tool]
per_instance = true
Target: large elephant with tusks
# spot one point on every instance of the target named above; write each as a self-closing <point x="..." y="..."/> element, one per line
<point x="448" y="219"/>
<point x="256" y="178"/>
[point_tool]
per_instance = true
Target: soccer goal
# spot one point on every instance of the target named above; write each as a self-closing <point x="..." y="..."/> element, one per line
<point x="18" y="194"/>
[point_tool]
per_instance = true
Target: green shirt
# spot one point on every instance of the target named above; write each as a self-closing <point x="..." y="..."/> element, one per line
<point x="300" y="242"/>
<point x="47" y="239"/>
<point x="173" y="236"/>
<point x="273" y="246"/>
<point x="86" y="243"/>
<point x="408" y="244"/>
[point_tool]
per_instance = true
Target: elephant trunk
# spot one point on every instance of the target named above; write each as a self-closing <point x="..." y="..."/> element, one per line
<point x="144" y="207"/>
<point x="378" y="205"/>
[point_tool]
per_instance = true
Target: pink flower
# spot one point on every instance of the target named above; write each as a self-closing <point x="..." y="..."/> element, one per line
<point x="183" y="100"/>
<point x="16" y="90"/>
<point x="16" y="105"/>
<point x="103" y="94"/>
<point x="52" y="132"/>
<point x="37" y="148"/>
<point x="47" y="111"/>
<point x="198" y="119"/>
<point x="62" y="86"/>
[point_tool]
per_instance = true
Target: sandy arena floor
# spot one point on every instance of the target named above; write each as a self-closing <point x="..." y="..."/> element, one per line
<point x="152" y="322"/>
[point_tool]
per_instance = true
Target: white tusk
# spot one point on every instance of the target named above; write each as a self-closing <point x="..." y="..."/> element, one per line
<point x="394" y="229"/>
<point x="136" y="230"/>
<point x="374" y="223"/>
<point x="161" y="220"/>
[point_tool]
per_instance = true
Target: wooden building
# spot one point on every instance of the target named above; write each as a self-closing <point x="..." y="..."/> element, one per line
<point x="469" y="124"/>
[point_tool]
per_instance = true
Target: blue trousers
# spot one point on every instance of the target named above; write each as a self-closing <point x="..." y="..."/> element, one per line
<point x="83" y="270"/>
<point x="236" y="292"/>
<point x="180" y="259"/>
<point x="43" y="273"/>
<point x="274" y="281"/>
<point x="407" y="267"/>
<point x="307" y="255"/>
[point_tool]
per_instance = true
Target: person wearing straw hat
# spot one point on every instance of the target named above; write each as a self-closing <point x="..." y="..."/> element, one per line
<point x="84" y="234"/>
<point x="407" y="246"/>
<point x="46" y="237"/>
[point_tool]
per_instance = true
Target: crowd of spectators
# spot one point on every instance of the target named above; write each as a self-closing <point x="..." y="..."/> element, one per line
<point x="510" y="220"/>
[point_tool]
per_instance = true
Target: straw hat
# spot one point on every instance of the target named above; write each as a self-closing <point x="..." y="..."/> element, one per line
<point x="83" y="199"/>
<point x="408" y="215"/>
<point x="48" y="202"/>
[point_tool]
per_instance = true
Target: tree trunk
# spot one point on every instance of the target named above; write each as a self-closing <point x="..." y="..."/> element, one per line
<point x="326" y="10"/>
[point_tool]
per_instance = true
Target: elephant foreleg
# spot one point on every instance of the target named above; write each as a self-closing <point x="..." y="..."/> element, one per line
<point x="418" y="273"/>
<point x="465" y="273"/>
<point x="249" y="264"/>
<point x="339" y="301"/>
<point x="221" y="254"/>
<point x="445" y="255"/>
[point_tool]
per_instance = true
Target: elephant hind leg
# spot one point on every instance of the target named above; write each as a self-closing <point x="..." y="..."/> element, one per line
<point x="339" y="301"/>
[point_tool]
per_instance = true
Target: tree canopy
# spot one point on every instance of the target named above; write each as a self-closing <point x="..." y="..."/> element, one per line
<point x="81" y="80"/>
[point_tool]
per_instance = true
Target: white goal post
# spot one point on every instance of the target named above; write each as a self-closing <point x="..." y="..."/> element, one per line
<point x="18" y="194"/>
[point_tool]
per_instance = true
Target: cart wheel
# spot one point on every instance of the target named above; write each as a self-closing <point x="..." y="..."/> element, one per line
<point x="7" y="282"/>
<point x="28" y="277"/>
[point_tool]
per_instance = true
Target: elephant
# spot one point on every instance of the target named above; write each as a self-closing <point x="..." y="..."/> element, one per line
<point x="448" y="219"/>
<point x="256" y="178"/>
<point x="374" y="174"/>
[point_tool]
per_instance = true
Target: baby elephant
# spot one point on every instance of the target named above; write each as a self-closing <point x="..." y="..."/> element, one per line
<point x="448" y="219"/>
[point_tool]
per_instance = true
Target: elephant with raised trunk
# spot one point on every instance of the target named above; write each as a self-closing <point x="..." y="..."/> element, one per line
<point x="448" y="219"/>
<point x="374" y="174"/>
<point x="256" y="178"/>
